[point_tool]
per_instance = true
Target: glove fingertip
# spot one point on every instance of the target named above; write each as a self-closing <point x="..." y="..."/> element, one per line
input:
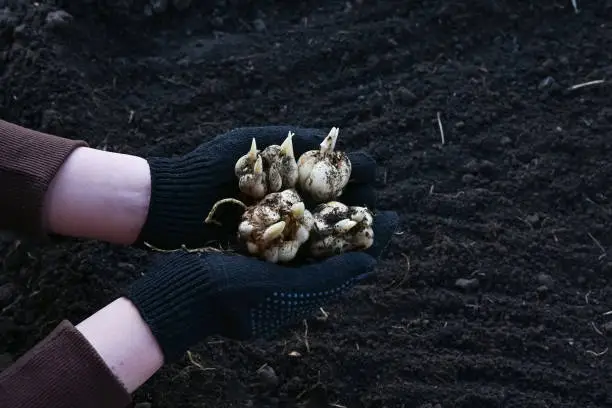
<point x="385" y="225"/>
<point x="362" y="195"/>
<point x="351" y="263"/>
<point x="386" y="221"/>
<point x="363" y="167"/>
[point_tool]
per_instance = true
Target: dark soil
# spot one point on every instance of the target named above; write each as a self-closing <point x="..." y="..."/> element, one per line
<point x="494" y="292"/>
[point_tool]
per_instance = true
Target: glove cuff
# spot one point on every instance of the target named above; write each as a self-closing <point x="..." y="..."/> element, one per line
<point x="173" y="301"/>
<point x="175" y="183"/>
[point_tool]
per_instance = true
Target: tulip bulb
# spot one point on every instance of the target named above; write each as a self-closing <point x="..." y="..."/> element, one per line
<point x="339" y="228"/>
<point x="323" y="173"/>
<point x="276" y="227"/>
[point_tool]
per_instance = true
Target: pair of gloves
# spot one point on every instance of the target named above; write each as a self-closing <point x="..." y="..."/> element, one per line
<point x="185" y="297"/>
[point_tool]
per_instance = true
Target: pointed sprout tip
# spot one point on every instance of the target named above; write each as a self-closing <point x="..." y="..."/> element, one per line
<point x="329" y="143"/>
<point x="287" y="146"/>
<point x="253" y="151"/>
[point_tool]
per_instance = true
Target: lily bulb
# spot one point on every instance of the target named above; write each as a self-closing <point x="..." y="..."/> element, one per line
<point x="276" y="227"/>
<point x="339" y="228"/>
<point x="269" y="171"/>
<point x="282" y="169"/>
<point x="323" y="173"/>
<point x="252" y="180"/>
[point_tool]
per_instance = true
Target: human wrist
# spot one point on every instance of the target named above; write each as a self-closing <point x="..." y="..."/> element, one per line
<point x="124" y="342"/>
<point x="99" y="195"/>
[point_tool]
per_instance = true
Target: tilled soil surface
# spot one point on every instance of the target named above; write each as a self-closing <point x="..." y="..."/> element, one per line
<point x="494" y="292"/>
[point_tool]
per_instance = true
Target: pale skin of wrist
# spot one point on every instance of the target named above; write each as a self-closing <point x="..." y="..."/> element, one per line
<point x="125" y="343"/>
<point x="105" y="196"/>
<point x="99" y="195"/>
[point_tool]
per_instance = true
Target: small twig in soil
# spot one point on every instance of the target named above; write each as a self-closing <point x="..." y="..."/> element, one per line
<point x="597" y="354"/>
<point x="585" y="84"/>
<point x="209" y="219"/>
<point x="324" y="315"/>
<point x="609" y="312"/>
<point x="11" y="305"/>
<point x="183" y="248"/>
<point x="193" y="361"/>
<point x="396" y="283"/>
<point x="317" y="384"/>
<point x="596" y="329"/>
<point x="337" y="406"/>
<point x="441" y="129"/>
<point x="194" y="364"/>
<point x="306" y="343"/>
<point x="175" y="82"/>
<point x="601" y="248"/>
<point x="530" y="225"/>
<point x="575" y="5"/>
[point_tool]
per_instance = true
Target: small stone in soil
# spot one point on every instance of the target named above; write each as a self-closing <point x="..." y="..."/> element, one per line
<point x="467" y="284"/>
<point x="267" y="376"/>
<point x="545" y="279"/>
<point x="58" y="19"/>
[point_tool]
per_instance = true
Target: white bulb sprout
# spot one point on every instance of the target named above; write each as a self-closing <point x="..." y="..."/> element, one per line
<point x="339" y="228"/>
<point x="323" y="173"/>
<point x="276" y="227"/>
<point x="269" y="171"/>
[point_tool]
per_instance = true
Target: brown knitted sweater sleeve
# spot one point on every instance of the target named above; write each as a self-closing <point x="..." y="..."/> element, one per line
<point x="62" y="371"/>
<point x="29" y="160"/>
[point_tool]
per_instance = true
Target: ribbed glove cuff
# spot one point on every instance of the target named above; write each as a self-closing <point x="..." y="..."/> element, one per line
<point x="178" y="190"/>
<point x="172" y="300"/>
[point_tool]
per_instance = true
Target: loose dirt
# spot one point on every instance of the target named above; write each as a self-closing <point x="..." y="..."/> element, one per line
<point x="493" y="293"/>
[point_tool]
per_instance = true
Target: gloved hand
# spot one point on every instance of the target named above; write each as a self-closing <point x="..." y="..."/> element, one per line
<point x="184" y="189"/>
<point x="185" y="297"/>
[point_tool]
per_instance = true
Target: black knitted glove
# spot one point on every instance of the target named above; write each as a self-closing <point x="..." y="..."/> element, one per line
<point x="184" y="189"/>
<point x="185" y="297"/>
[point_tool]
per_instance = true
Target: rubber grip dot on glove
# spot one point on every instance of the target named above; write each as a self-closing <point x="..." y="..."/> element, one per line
<point x="282" y="308"/>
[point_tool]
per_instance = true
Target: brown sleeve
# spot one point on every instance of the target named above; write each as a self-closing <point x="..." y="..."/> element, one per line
<point x="62" y="371"/>
<point x="29" y="160"/>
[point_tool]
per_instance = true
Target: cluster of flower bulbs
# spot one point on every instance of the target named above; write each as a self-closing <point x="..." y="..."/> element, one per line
<point x="279" y="225"/>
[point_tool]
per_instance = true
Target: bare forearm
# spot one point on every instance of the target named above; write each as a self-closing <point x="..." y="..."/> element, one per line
<point x="99" y="195"/>
<point x="124" y="342"/>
